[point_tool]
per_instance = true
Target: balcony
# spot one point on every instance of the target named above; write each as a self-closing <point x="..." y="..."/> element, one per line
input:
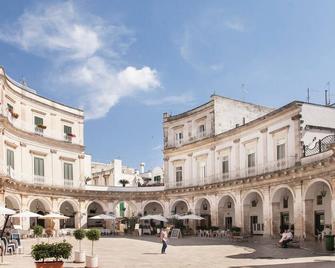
<point x="235" y="174"/>
<point x="39" y="130"/>
<point x="68" y="183"/>
<point x="39" y="179"/>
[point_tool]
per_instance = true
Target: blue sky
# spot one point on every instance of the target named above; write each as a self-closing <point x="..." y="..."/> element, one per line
<point x="127" y="62"/>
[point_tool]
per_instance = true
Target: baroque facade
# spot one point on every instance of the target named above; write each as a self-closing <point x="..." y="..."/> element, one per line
<point x="234" y="163"/>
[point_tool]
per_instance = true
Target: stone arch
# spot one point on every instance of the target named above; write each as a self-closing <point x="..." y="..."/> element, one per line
<point x="68" y="208"/>
<point x="180" y="206"/>
<point x="317" y="199"/>
<point x="282" y="209"/>
<point x="12" y="202"/>
<point x="94" y="208"/>
<point x="203" y="208"/>
<point x="125" y="208"/>
<point x="252" y="211"/>
<point x="226" y="211"/>
<point x="153" y="207"/>
<point x="42" y="206"/>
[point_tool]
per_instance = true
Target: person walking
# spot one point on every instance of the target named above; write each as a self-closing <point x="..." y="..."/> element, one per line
<point x="164" y="239"/>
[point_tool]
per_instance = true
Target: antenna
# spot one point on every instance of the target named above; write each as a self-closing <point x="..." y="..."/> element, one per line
<point x="308" y="96"/>
<point x="326" y="97"/>
<point x="244" y="91"/>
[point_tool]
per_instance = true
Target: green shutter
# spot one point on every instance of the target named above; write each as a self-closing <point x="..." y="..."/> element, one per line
<point x="10" y="158"/>
<point x="38" y="166"/>
<point x="38" y="121"/>
<point x="68" y="171"/>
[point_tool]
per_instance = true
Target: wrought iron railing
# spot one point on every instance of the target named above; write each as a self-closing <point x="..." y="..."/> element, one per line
<point x="320" y="146"/>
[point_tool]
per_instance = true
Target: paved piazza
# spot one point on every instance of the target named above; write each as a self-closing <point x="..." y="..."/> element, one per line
<point x="188" y="252"/>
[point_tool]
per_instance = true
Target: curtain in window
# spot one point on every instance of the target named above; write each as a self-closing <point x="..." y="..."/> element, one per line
<point x="68" y="171"/>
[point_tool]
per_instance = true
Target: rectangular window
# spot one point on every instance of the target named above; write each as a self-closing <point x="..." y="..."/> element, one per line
<point x="10" y="158"/>
<point x="68" y="171"/>
<point x="38" y="121"/>
<point x="39" y="166"/>
<point x="319" y="200"/>
<point x="225" y="165"/>
<point x="201" y="130"/>
<point x="251" y="160"/>
<point x="67" y="130"/>
<point x="285" y="202"/>
<point x="157" y="179"/>
<point x="281" y="151"/>
<point x="179" y="137"/>
<point x="10" y="107"/>
<point x="179" y="175"/>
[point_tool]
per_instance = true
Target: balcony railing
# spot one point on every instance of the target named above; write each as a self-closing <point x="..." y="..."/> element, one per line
<point x="68" y="183"/>
<point x="39" y="179"/>
<point x="234" y="174"/>
<point x="320" y="146"/>
<point x="38" y="130"/>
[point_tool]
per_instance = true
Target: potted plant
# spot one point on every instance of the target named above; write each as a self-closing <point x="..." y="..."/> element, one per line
<point x="92" y="235"/>
<point x="79" y="256"/>
<point x="236" y="231"/>
<point x="123" y="182"/>
<point x="49" y="255"/>
<point x="38" y="231"/>
<point x="41" y="126"/>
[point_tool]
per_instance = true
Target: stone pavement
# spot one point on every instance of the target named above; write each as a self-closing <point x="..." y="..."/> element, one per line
<point x="188" y="252"/>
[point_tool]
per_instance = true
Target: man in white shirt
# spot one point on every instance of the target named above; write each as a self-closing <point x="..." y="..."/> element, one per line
<point x="164" y="239"/>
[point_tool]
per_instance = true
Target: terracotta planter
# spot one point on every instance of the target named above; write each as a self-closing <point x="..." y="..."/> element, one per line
<point x="79" y="256"/>
<point x="92" y="261"/>
<point x="50" y="264"/>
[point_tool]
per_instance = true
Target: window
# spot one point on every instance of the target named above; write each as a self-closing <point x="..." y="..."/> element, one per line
<point x="201" y="130"/>
<point x="281" y="151"/>
<point x="10" y="107"/>
<point x="251" y="160"/>
<point x="225" y="165"/>
<point x="202" y="170"/>
<point x="285" y="202"/>
<point x="10" y="158"/>
<point x="68" y="171"/>
<point x="254" y="203"/>
<point x="157" y="179"/>
<point x="319" y="200"/>
<point x="38" y="166"/>
<point x="38" y="121"/>
<point x="179" y="137"/>
<point x="67" y="130"/>
<point x="179" y="175"/>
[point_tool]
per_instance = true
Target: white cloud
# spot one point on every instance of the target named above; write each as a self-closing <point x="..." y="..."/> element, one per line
<point x="82" y="48"/>
<point x="170" y="100"/>
<point x="235" y="24"/>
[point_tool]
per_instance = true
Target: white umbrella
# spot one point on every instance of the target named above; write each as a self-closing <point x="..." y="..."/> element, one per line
<point x="175" y="216"/>
<point x="53" y="215"/>
<point x="191" y="217"/>
<point x="154" y="217"/>
<point x="26" y="214"/>
<point x="103" y="217"/>
<point x="6" y="211"/>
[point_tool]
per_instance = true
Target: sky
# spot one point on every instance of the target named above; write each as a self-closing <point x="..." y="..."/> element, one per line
<point x="127" y="62"/>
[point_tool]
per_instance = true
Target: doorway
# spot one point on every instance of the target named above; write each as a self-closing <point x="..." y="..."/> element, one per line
<point x="284" y="221"/>
<point x="228" y="223"/>
<point x="253" y="223"/>
<point x="319" y="222"/>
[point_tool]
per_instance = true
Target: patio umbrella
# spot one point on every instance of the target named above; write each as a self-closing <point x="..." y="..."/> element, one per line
<point x="175" y="216"/>
<point x="191" y="217"/>
<point x="26" y="214"/>
<point x="103" y="217"/>
<point x="53" y="216"/>
<point x="7" y="212"/>
<point x="154" y="217"/>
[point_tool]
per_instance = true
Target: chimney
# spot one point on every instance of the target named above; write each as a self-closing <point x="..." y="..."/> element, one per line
<point x="142" y="167"/>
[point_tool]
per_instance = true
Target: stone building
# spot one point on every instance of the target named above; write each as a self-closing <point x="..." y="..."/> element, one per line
<point x="234" y="163"/>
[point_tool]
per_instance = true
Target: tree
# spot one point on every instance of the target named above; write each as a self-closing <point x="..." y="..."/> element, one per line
<point x="123" y="182"/>
<point x="93" y="235"/>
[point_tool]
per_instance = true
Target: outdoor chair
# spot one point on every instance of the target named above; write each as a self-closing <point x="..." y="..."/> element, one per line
<point x="17" y="237"/>
<point x="9" y="247"/>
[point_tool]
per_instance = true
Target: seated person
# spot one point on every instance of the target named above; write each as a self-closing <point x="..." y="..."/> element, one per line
<point x="326" y="231"/>
<point x="287" y="237"/>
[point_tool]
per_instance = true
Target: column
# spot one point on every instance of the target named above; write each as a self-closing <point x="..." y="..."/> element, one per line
<point x="267" y="212"/>
<point x="275" y="230"/>
<point x="298" y="212"/>
<point x="214" y="211"/>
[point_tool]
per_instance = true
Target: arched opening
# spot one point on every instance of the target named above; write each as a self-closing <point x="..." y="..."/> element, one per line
<point x="282" y="211"/>
<point x="317" y="208"/>
<point x="12" y="203"/>
<point x="253" y="214"/>
<point x="41" y="207"/>
<point x="203" y="208"/>
<point x="94" y="209"/>
<point x="68" y="210"/>
<point x="153" y="208"/>
<point x="125" y="209"/>
<point x="180" y="207"/>
<point x="226" y="212"/>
